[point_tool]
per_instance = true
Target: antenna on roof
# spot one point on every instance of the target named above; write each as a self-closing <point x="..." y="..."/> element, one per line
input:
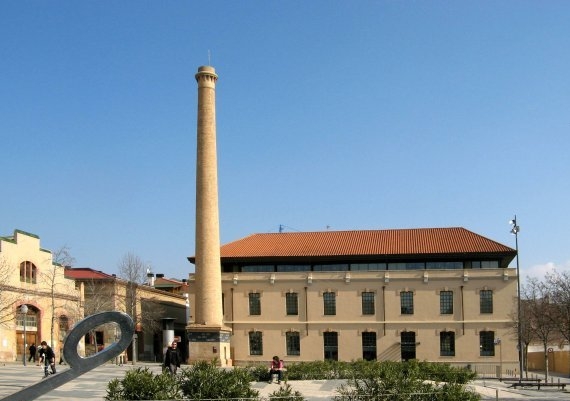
<point x="281" y="227"/>
<point x="209" y="56"/>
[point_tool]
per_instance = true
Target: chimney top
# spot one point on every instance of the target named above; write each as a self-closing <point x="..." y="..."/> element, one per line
<point x="207" y="68"/>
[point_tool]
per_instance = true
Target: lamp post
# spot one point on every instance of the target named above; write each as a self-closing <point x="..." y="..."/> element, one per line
<point x="515" y="231"/>
<point x="24" y="310"/>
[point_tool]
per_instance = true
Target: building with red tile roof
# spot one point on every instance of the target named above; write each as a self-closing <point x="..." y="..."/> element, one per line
<point x="147" y="303"/>
<point x="438" y="294"/>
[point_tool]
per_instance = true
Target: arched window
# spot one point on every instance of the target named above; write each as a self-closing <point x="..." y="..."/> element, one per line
<point x="28" y="272"/>
<point x="31" y="318"/>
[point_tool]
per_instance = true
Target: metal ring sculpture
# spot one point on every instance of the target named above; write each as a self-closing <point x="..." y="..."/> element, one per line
<point x="77" y="364"/>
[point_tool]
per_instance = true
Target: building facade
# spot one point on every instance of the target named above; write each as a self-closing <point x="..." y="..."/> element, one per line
<point x="147" y="303"/>
<point x="29" y="277"/>
<point x="443" y="295"/>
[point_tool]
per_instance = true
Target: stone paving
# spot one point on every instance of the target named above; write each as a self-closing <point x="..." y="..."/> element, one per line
<point x="92" y="385"/>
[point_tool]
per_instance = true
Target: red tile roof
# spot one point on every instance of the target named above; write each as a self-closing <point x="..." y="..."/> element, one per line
<point x="86" y="273"/>
<point x="169" y="282"/>
<point x="417" y="241"/>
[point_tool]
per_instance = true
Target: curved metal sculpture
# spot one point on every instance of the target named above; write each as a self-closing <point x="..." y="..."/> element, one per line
<point x="77" y="364"/>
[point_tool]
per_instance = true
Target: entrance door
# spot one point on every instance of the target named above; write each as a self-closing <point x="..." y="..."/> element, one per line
<point x="408" y="345"/>
<point x="22" y="349"/>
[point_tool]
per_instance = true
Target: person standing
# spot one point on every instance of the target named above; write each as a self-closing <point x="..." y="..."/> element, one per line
<point x="172" y="358"/>
<point x="48" y="357"/>
<point x="32" y="353"/>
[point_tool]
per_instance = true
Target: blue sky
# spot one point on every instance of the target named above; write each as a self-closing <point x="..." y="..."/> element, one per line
<point x="347" y="115"/>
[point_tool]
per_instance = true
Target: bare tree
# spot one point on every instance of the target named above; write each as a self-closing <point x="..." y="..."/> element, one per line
<point x="100" y="296"/>
<point x="540" y="314"/>
<point x="559" y="288"/>
<point x="527" y="334"/>
<point x="7" y="294"/>
<point x="134" y="271"/>
<point x="60" y="258"/>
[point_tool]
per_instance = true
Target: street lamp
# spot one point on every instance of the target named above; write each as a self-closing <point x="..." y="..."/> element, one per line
<point x="515" y="231"/>
<point x="24" y="310"/>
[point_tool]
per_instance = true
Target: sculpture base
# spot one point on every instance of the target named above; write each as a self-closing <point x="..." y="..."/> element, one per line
<point x="209" y="343"/>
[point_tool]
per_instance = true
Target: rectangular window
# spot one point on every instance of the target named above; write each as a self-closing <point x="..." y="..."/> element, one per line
<point x="486" y="301"/>
<point x="485" y="264"/>
<point x="406" y="266"/>
<point x="407" y="302"/>
<point x="330" y="341"/>
<point x="446" y="302"/>
<point x="367" y="266"/>
<point x="369" y="346"/>
<point x="330" y="268"/>
<point x="487" y="343"/>
<point x="293" y="343"/>
<point x="258" y="268"/>
<point x="254" y="303"/>
<point x="255" y="343"/>
<point x="329" y="300"/>
<point x="368" y="303"/>
<point x="447" y="343"/>
<point x="293" y="268"/>
<point x="31" y="319"/>
<point x="292" y="303"/>
<point x="444" y="265"/>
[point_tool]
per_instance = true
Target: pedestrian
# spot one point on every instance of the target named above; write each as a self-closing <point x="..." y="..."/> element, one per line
<point x="32" y="353"/>
<point x="61" y="360"/>
<point x="172" y="358"/>
<point x="276" y="368"/>
<point x="48" y="358"/>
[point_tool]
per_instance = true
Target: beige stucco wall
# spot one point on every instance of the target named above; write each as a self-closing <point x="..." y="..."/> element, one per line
<point x="111" y="294"/>
<point x="387" y="322"/>
<point x="67" y="298"/>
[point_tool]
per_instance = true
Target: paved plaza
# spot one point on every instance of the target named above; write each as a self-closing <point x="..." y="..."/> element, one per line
<point x="92" y="385"/>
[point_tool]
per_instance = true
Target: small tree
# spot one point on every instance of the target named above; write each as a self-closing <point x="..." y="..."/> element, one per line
<point x="559" y="288"/>
<point x="59" y="259"/>
<point x="99" y="297"/>
<point x="146" y="314"/>
<point x="540" y="314"/>
<point x="133" y="271"/>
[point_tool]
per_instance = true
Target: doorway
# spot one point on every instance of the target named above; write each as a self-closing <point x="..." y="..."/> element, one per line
<point x="22" y="349"/>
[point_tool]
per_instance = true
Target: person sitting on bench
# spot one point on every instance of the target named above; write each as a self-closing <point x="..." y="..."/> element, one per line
<point x="276" y="368"/>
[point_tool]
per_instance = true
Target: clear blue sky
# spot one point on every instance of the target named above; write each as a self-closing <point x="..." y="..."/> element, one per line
<point x="340" y="114"/>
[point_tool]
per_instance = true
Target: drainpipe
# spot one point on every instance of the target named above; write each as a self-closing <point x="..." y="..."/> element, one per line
<point x="462" y="311"/>
<point x="306" y="312"/>
<point x="232" y="308"/>
<point x="384" y="308"/>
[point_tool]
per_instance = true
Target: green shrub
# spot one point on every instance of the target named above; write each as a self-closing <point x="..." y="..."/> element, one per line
<point x="259" y="373"/>
<point x="443" y="372"/>
<point x="142" y="384"/>
<point x="395" y="381"/>
<point x="205" y="380"/>
<point x="286" y="393"/>
<point x="319" y="370"/>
